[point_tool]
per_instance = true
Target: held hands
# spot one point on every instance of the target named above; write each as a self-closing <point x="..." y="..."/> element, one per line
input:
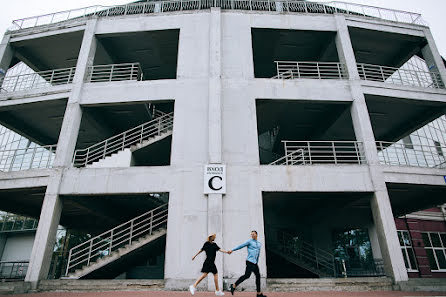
<point x="229" y="252"/>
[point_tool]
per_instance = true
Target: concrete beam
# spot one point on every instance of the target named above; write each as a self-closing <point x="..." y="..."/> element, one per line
<point x="403" y="92"/>
<point x="24" y="179"/>
<point x="9" y="101"/>
<point x="414" y="175"/>
<point x="383" y="26"/>
<point x="22" y="36"/>
<point x="6" y="53"/>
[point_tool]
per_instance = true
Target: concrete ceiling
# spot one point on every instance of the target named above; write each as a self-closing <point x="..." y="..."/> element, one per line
<point x="26" y="202"/>
<point x="51" y="52"/>
<point x="271" y="45"/>
<point x="408" y="198"/>
<point x="156" y="51"/>
<point x="305" y="120"/>
<point x="383" y="48"/>
<point x="395" y="118"/>
<point x="39" y="121"/>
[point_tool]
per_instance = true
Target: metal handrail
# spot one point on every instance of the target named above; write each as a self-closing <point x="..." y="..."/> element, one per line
<point x="254" y="5"/>
<point x="18" y="223"/>
<point x="109" y="241"/>
<point x="319" y="259"/>
<point x="13" y="269"/>
<point x="114" y="72"/>
<point x="322" y="152"/>
<point x="408" y="77"/>
<point x="415" y="155"/>
<point x="126" y="139"/>
<point x="27" y="158"/>
<point x="37" y="80"/>
<point x="310" y="70"/>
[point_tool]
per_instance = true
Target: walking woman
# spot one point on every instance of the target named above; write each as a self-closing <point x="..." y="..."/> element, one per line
<point x="211" y="249"/>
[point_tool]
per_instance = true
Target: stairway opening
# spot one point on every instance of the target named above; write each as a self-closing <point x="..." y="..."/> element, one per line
<point x="304" y="240"/>
<point x="125" y="135"/>
<point x="113" y="237"/>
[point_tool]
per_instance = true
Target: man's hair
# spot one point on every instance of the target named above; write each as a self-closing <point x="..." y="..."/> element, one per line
<point x="255" y="232"/>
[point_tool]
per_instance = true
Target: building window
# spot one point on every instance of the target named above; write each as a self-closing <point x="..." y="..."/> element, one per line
<point x="438" y="147"/>
<point x="407" y="250"/>
<point x="408" y="144"/>
<point x="435" y="245"/>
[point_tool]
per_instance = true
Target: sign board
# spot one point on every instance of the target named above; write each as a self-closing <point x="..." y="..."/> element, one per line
<point x="215" y="179"/>
<point x="444" y="178"/>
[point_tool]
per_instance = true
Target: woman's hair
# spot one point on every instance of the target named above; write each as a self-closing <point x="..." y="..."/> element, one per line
<point x="210" y="236"/>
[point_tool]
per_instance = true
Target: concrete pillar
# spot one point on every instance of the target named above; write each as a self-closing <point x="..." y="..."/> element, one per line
<point x="374" y="242"/>
<point x="432" y="55"/>
<point x="73" y="113"/>
<point x="40" y="260"/>
<point x="215" y="201"/>
<point x="6" y="55"/>
<point x="380" y="202"/>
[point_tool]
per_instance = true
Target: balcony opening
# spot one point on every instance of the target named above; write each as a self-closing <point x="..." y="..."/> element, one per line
<point x="336" y="245"/>
<point x="135" y="225"/>
<point x="42" y="62"/>
<point x="298" y="132"/>
<point x="147" y="55"/>
<point x="399" y="59"/>
<point x="408" y="132"/>
<point x="301" y="54"/>
<point x="125" y="135"/>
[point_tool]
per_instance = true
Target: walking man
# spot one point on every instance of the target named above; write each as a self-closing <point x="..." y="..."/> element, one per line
<point x="253" y="247"/>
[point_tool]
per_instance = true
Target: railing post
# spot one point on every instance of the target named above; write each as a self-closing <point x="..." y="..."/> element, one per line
<point x="123" y="141"/>
<point x="151" y="223"/>
<point x="111" y="72"/>
<point x="86" y="157"/>
<point x="309" y="152"/>
<point x="334" y="152"/>
<point x="68" y="263"/>
<point x="382" y="73"/>
<point x="105" y="148"/>
<point x="111" y="242"/>
<point x="32" y="158"/>
<point x="159" y="126"/>
<point x="89" y="252"/>
<point x="142" y="132"/>
<point x="131" y="232"/>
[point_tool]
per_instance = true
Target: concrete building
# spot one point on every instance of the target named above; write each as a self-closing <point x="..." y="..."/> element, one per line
<point x="297" y="107"/>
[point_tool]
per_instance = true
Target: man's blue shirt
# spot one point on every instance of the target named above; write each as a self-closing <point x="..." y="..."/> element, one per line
<point x="253" y="250"/>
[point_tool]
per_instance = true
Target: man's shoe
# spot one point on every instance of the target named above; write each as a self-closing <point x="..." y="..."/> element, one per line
<point x="219" y="293"/>
<point x="261" y="295"/>
<point x="192" y="290"/>
<point x="232" y="289"/>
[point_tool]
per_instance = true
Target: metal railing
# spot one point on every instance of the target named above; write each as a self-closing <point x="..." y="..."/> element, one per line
<point x="27" y="158"/>
<point x="407" y="77"/>
<point x="416" y="155"/>
<point x="104" y="244"/>
<point x="13" y="269"/>
<point x="256" y="5"/>
<point x="312" y="70"/>
<point x="37" y="80"/>
<point x="316" y="260"/>
<point x="13" y="223"/>
<point x="114" y="72"/>
<point x="361" y="268"/>
<point x="137" y="135"/>
<point x="322" y="152"/>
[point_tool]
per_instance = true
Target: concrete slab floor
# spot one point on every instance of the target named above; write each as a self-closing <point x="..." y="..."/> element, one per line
<point x="238" y="294"/>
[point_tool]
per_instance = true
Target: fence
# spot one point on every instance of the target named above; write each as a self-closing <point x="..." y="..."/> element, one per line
<point x="13" y="270"/>
<point x="417" y="155"/>
<point x="114" y="72"/>
<point x="257" y="5"/>
<point x="314" y="70"/>
<point x="425" y="79"/>
<point x="322" y="152"/>
<point x="27" y="158"/>
<point x="37" y="80"/>
<point x="11" y="223"/>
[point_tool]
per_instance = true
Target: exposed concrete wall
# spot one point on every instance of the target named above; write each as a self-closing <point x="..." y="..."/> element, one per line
<point x="215" y="121"/>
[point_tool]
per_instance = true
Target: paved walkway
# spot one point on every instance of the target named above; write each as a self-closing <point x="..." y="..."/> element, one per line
<point x="239" y="294"/>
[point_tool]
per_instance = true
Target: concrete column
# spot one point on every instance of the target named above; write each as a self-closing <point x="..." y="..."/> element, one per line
<point x="380" y="202"/>
<point x="6" y="55"/>
<point x="73" y="113"/>
<point x="432" y="55"/>
<point x="40" y="260"/>
<point x="374" y="242"/>
<point x="215" y="201"/>
<point x="344" y="48"/>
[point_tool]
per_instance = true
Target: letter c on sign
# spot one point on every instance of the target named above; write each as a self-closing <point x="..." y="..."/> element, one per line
<point x="211" y="185"/>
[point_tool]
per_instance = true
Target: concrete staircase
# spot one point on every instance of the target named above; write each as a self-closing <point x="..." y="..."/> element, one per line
<point x="121" y="252"/>
<point x="330" y="284"/>
<point x="124" y="158"/>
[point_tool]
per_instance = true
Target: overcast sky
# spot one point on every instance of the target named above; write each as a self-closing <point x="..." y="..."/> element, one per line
<point x="433" y="11"/>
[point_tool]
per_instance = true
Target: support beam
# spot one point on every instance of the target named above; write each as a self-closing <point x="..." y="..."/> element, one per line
<point x="380" y="203"/>
<point x="6" y="55"/>
<point x="432" y="56"/>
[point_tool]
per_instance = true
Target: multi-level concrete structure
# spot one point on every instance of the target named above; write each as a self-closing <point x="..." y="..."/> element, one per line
<point x="301" y="101"/>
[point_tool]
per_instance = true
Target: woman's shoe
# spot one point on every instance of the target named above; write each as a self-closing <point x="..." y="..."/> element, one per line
<point x="219" y="293"/>
<point x="232" y="289"/>
<point x="192" y="290"/>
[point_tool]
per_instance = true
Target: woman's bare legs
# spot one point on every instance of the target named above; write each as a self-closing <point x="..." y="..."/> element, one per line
<point x="200" y="279"/>
<point x="216" y="282"/>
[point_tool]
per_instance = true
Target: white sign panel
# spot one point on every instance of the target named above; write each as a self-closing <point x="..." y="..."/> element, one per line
<point x="215" y="179"/>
